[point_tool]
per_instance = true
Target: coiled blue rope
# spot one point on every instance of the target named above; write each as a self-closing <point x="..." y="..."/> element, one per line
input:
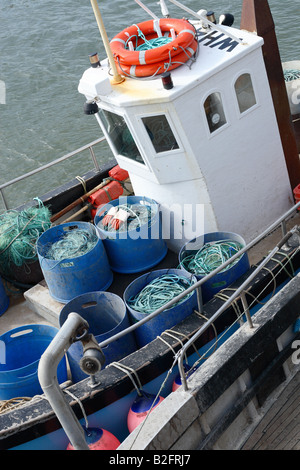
<point x="71" y="245"/>
<point x="211" y="256"/>
<point x="160" y="291"/>
<point x="291" y="74"/>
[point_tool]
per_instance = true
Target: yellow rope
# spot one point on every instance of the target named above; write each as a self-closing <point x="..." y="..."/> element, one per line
<point x="12" y="403"/>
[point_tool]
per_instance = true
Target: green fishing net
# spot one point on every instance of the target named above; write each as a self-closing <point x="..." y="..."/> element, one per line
<point x="19" y="231"/>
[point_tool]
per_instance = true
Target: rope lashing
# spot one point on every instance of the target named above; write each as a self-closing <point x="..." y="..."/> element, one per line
<point x="72" y="244"/>
<point x="130" y="372"/>
<point x="291" y="74"/>
<point x="19" y="231"/>
<point x="211" y="256"/>
<point x="160" y="291"/>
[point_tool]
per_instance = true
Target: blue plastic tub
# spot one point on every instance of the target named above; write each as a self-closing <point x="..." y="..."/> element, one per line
<point x="106" y="315"/>
<point x="20" y="352"/>
<point x="71" y="277"/>
<point x="167" y="319"/>
<point x="4" y="299"/>
<point x="222" y="279"/>
<point x="137" y="249"/>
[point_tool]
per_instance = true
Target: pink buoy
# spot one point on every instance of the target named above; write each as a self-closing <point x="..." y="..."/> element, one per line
<point x="99" y="439"/>
<point x="140" y="408"/>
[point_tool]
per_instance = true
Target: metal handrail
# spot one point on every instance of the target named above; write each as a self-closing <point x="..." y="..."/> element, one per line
<point x="239" y="291"/>
<point x="281" y="221"/>
<point x="54" y="162"/>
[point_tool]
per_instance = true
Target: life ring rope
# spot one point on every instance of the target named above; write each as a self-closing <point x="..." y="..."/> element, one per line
<point x="148" y="44"/>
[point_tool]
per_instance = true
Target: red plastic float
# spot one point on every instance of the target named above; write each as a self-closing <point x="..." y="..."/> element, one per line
<point x="99" y="439"/>
<point x="140" y="408"/>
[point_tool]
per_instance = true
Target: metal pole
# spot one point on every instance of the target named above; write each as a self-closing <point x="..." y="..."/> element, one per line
<point x="96" y="164"/>
<point x="246" y="309"/>
<point x="3" y="200"/>
<point x="47" y="374"/>
<point x="117" y="77"/>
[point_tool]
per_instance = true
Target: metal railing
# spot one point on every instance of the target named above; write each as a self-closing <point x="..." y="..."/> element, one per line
<point x="89" y="147"/>
<point x="238" y="293"/>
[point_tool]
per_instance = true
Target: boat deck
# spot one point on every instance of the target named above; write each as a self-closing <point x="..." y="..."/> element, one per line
<point x="280" y="427"/>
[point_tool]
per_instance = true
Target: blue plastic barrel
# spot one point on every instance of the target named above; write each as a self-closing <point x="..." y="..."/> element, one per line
<point x="4" y="299"/>
<point x="223" y="279"/>
<point x="71" y="277"/>
<point x="167" y="319"/>
<point x="133" y="250"/>
<point x="106" y="315"/>
<point x="20" y="352"/>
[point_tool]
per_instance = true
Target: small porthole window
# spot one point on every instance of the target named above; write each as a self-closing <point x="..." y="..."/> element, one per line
<point x="244" y="92"/>
<point x="214" y="111"/>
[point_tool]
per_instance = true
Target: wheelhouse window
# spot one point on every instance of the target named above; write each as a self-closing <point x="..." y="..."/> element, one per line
<point x="120" y="135"/>
<point x="160" y="133"/>
<point x="214" y="111"/>
<point x="244" y="92"/>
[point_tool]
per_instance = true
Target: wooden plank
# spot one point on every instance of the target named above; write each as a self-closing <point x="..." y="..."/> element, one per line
<point x="280" y="427"/>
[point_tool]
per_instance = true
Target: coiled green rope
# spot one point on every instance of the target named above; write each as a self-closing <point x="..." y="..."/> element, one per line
<point x="211" y="256"/>
<point x="19" y="231"/>
<point x="291" y="74"/>
<point x="148" y="43"/>
<point x="160" y="291"/>
<point x="71" y="245"/>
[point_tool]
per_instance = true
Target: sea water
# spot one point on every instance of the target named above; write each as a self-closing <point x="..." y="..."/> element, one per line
<point x="45" y="47"/>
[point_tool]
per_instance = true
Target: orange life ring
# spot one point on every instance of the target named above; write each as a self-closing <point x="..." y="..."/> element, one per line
<point x="159" y="67"/>
<point x="184" y="31"/>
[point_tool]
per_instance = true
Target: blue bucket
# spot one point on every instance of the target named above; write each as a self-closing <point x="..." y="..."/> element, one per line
<point x="20" y="352"/>
<point x="167" y="319"/>
<point x="4" y="299"/>
<point x="106" y="315"/>
<point x="133" y="250"/>
<point x="223" y="279"/>
<point x="71" y="277"/>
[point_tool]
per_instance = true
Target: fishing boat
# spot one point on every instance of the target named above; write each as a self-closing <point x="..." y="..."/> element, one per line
<point x="204" y="141"/>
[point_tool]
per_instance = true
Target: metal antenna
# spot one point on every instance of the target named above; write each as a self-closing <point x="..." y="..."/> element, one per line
<point x="164" y="8"/>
